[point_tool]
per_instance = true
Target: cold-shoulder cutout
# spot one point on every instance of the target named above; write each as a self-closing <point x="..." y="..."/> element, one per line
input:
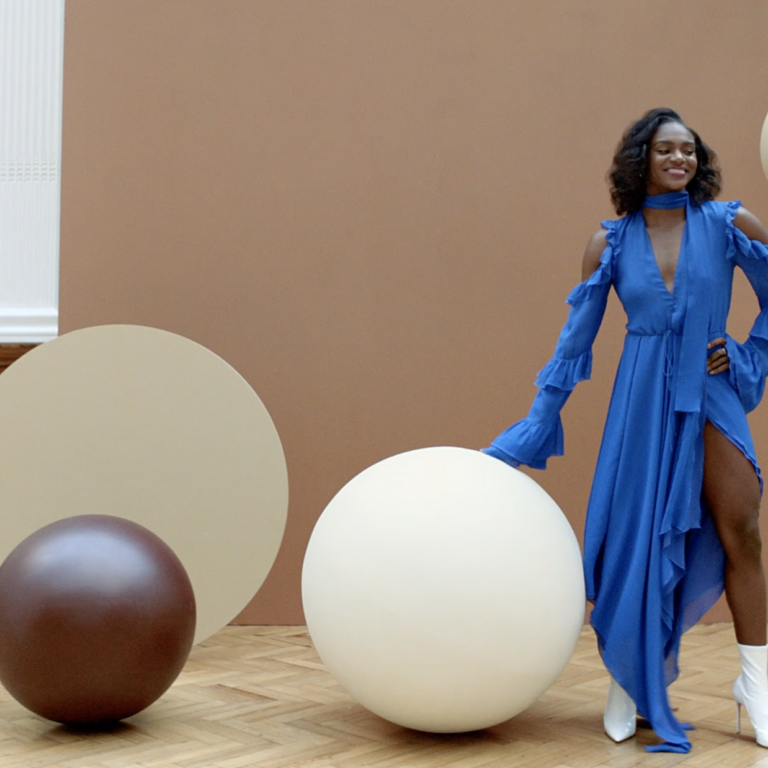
<point x="595" y="247"/>
<point x="750" y="225"/>
<point x="599" y="259"/>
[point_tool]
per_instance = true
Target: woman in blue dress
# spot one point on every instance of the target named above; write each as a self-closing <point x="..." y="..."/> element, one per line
<point x="673" y="514"/>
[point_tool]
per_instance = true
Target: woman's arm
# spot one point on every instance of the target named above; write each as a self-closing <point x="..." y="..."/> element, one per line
<point x="534" y="439"/>
<point x="748" y="362"/>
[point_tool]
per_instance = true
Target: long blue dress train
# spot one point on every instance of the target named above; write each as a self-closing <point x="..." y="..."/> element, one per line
<point x="653" y="563"/>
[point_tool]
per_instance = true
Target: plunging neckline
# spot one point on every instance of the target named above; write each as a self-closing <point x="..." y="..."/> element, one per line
<point x="680" y="251"/>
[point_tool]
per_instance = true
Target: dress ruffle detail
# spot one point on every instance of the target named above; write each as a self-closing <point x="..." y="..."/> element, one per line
<point x="529" y="442"/>
<point x="565" y="374"/>
<point x="731" y="209"/>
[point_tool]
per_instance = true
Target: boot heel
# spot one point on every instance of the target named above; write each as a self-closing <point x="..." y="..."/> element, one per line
<point x="751" y="690"/>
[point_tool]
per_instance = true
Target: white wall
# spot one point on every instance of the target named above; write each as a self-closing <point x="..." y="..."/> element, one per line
<point x="31" y="64"/>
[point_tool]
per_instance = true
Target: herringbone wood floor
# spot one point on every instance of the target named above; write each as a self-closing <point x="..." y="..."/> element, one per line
<point x="259" y="696"/>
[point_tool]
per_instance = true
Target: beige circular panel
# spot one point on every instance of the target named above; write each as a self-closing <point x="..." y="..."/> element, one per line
<point x="147" y="425"/>
<point x="764" y="147"/>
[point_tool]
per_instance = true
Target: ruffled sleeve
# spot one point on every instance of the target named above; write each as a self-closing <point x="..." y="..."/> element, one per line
<point x="540" y="435"/>
<point x="749" y="361"/>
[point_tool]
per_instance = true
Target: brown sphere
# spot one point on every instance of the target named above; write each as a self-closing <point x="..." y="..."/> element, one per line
<point x="97" y="617"/>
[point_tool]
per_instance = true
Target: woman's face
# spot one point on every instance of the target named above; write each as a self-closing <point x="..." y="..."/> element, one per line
<point x="671" y="159"/>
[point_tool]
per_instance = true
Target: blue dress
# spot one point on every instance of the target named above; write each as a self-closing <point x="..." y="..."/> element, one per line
<point x="653" y="563"/>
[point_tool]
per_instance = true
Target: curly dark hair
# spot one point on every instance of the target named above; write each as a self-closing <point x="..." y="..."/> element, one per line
<point x="628" y="176"/>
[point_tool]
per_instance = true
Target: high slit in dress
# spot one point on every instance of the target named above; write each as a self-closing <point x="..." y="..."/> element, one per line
<point x="653" y="563"/>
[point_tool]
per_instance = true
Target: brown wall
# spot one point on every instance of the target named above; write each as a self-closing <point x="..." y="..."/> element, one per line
<point x="374" y="209"/>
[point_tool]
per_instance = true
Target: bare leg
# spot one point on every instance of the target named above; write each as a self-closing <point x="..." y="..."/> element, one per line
<point x="732" y="493"/>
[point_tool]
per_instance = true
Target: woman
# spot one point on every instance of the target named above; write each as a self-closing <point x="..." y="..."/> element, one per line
<point x="673" y="513"/>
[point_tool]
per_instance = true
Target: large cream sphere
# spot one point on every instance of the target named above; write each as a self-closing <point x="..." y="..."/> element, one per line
<point x="443" y="589"/>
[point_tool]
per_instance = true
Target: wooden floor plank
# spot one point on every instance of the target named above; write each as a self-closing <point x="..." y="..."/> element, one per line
<point x="260" y="696"/>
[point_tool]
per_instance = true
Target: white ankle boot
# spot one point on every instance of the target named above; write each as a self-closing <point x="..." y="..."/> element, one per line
<point x="751" y="690"/>
<point x="620" y="718"/>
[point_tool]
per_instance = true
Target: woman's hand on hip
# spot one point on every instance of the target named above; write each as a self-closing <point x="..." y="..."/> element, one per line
<point x="717" y="361"/>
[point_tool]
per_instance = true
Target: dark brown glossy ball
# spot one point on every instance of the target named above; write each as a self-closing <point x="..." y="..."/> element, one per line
<point x="97" y="617"/>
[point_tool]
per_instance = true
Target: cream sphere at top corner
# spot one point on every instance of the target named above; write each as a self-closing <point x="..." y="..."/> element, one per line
<point x="443" y="589"/>
<point x="764" y="147"/>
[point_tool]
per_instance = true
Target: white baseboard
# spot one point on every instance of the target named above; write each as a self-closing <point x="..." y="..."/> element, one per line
<point x="28" y="326"/>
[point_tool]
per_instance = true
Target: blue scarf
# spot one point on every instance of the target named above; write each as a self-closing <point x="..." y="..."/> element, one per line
<point x="667" y="201"/>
